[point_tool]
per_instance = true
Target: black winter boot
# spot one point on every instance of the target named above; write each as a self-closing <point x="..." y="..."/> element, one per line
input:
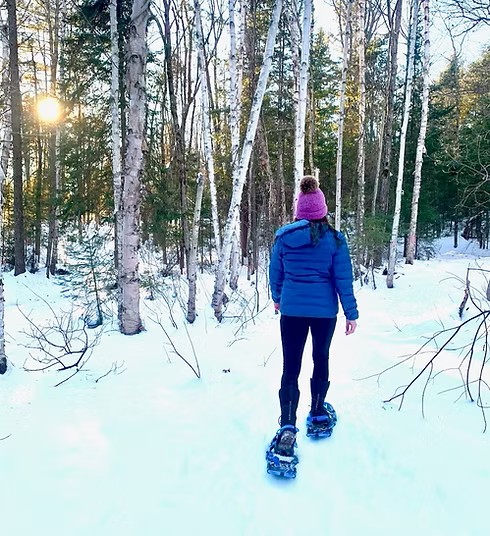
<point x="288" y="398"/>
<point x="319" y="390"/>
<point x="322" y="417"/>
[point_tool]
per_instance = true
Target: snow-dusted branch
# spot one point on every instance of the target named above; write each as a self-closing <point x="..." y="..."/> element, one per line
<point x="195" y="369"/>
<point x="473" y="352"/>
<point x="63" y="343"/>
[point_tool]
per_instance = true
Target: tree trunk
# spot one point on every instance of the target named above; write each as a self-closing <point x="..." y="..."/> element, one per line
<point x="403" y="137"/>
<point x="54" y="141"/>
<point x="300" y="120"/>
<point x="16" y="122"/>
<point x="5" y="124"/>
<point x="341" y="120"/>
<point x="417" y="180"/>
<point x="192" y="274"/>
<point x="272" y="188"/>
<point x="34" y="267"/>
<point x="235" y="88"/>
<point x="129" y="310"/>
<point x="361" y="155"/>
<point x="236" y="78"/>
<point x="243" y="163"/>
<point x="310" y="122"/>
<point x="236" y="254"/>
<point x="292" y="13"/>
<point x="178" y="132"/>
<point x="208" y="154"/>
<point x="5" y="138"/>
<point x="207" y="127"/>
<point x="116" y="136"/>
<point x="384" y="182"/>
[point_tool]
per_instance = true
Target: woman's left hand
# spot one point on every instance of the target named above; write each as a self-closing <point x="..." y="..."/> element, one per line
<point x="350" y="327"/>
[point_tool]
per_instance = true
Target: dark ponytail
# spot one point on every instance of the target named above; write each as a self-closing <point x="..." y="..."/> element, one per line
<point x="318" y="229"/>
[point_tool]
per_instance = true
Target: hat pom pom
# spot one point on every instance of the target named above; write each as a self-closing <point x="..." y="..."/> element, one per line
<point x="308" y="184"/>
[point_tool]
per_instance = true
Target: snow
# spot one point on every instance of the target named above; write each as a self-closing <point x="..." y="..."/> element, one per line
<point x="136" y="444"/>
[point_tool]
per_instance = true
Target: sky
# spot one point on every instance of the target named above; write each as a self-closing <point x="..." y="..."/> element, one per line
<point x="471" y="45"/>
<point x="135" y="444"/>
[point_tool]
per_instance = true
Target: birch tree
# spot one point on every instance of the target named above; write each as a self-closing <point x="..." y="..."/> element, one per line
<point x="236" y="78"/>
<point x="361" y="156"/>
<point x="300" y="119"/>
<point x="192" y="273"/>
<point x="129" y="308"/>
<point x="116" y="134"/>
<point x="5" y="124"/>
<point x="243" y="163"/>
<point x="403" y="138"/>
<point x="417" y="180"/>
<point x="208" y="154"/>
<point x="347" y="5"/>
<point x="235" y="87"/>
<point x="382" y="181"/>
<point x="16" y="122"/>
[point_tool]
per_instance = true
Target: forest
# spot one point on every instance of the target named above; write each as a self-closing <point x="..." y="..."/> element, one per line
<point x="179" y="130"/>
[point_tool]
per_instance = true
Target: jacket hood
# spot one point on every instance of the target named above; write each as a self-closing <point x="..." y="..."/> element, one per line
<point x="295" y="235"/>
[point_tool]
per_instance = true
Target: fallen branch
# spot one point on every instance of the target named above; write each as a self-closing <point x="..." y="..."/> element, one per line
<point x="467" y="361"/>
<point x="63" y="343"/>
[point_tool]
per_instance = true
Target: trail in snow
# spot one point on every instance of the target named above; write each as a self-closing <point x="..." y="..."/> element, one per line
<point x="154" y="450"/>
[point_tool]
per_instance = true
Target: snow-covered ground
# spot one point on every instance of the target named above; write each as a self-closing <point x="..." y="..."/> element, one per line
<point x="150" y="449"/>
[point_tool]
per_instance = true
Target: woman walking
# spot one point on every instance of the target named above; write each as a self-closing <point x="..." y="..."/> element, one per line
<point x="310" y="270"/>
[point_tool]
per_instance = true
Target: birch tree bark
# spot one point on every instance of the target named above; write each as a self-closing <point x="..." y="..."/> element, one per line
<point x="16" y="122"/>
<point x="116" y="135"/>
<point x="347" y="4"/>
<point x="243" y="163"/>
<point x="236" y="78"/>
<point x="300" y="120"/>
<point x="383" y="183"/>
<point x="403" y="138"/>
<point x="129" y="308"/>
<point x="208" y="154"/>
<point x="5" y="124"/>
<point x="235" y="88"/>
<point x="292" y="12"/>
<point x="235" y="254"/>
<point x="417" y="180"/>
<point x="361" y="155"/>
<point x="192" y="273"/>
<point x="278" y="207"/>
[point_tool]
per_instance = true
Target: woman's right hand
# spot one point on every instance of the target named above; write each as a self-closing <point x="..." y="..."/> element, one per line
<point x="350" y="327"/>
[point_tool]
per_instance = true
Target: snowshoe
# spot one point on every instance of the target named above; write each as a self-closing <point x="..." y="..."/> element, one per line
<point x="321" y="425"/>
<point x="280" y="456"/>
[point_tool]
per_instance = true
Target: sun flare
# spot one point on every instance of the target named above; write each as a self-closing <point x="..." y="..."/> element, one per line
<point x="49" y="110"/>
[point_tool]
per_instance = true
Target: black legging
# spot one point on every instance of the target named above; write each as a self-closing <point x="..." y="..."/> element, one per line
<point x="294" y="331"/>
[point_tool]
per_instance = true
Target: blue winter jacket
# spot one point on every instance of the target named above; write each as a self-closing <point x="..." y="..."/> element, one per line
<point x="307" y="279"/>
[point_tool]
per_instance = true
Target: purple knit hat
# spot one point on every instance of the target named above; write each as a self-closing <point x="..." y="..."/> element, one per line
<point x="311" y="203"/>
